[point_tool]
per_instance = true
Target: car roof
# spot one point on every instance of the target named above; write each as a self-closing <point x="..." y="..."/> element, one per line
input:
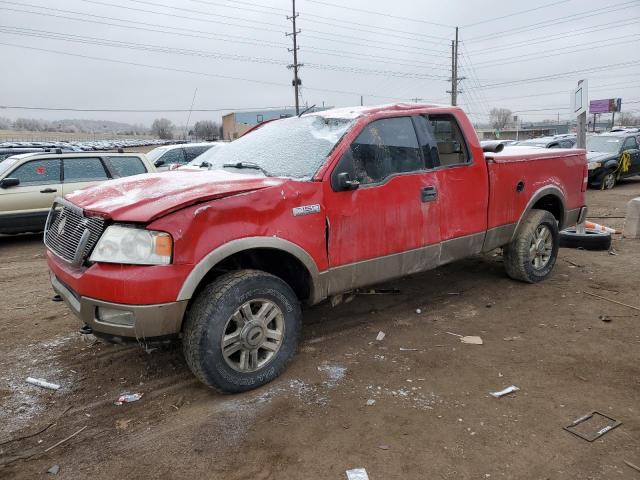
<point x="362" y="111"/>
<point x="76" y="154"/>
<point x="186" y="145"/>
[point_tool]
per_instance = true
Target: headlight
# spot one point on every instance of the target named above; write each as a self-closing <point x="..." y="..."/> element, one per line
<point x="135" y="246"/>
<point x="594" y="165"/>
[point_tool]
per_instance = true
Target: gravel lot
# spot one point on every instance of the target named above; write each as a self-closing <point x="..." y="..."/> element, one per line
<point x="432" y="418"/>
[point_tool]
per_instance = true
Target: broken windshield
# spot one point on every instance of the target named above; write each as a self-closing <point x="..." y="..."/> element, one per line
<point x="292" y="147"/>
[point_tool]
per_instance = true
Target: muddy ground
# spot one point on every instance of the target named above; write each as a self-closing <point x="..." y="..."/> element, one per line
<point x="432" y="418"/>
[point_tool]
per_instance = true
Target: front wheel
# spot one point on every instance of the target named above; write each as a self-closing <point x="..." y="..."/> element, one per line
<point x="241" y="330"/>
<point x="608" y="180"/>
<point x="532" y="254"/>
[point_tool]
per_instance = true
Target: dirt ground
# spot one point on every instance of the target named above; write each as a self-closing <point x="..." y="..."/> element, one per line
<point x="433" y="417"/>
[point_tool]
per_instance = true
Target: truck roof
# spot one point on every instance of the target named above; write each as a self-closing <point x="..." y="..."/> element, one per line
<point x="363" y="111"/>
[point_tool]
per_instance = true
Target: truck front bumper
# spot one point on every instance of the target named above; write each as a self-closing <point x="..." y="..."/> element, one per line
<point x="121" y="320"/>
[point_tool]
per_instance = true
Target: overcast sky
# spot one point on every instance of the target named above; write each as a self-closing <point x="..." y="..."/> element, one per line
<point x="153" y="54"/>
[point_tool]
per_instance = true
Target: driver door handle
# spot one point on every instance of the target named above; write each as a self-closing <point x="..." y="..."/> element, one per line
<point x="429" y="194"/>
<point x="48" y="190"/>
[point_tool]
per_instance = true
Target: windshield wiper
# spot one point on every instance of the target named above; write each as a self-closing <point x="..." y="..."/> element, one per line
<point x="251" y="165"/>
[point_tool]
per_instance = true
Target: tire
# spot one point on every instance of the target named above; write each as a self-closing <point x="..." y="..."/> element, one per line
<point x="220" y="309"/>
<point x="532" y="254"/>
<point x="608" y="180"/>
<point x="590" y="240"/>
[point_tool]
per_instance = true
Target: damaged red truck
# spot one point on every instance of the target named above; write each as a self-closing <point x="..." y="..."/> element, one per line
<point x="299" y="210"/>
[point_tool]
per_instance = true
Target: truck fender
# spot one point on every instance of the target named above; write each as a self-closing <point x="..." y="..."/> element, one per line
<point x="235" y="246"/>
<point x="548" y="190"/>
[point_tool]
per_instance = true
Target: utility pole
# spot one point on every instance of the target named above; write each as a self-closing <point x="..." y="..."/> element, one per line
<point x="295" y="65"/>
<point x="455" y="79"/>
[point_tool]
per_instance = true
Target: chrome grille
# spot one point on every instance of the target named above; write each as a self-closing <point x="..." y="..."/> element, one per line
<point x="69" y="234"/>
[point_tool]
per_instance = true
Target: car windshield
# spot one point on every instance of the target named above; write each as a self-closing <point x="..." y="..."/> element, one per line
<point x="7" y="164"/>
<point x="603" y="144"/>
<point x="156" y="153"/>
<point x="291" y="147"/>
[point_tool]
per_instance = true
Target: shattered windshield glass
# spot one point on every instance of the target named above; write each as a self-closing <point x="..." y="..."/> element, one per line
<point x="291" y="147"/>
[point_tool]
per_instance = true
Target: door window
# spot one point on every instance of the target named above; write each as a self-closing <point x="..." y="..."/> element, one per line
<point x="37" y="172"/>
<point x="383" y="148"/>
<point x="84" y="170"/>
<point x="173" y="156"/>
<point x="452" y="149"/>
<point x="126" y="166"/>
<point x="193" y="152"/>
<point x="629" y="143"/>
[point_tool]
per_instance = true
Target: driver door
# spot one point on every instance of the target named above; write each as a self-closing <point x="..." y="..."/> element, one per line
<point x="389" y="225"/>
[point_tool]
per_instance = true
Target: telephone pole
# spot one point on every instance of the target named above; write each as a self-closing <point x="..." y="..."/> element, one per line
<point x="455" y="79"/>
<point x="295" y="65"/>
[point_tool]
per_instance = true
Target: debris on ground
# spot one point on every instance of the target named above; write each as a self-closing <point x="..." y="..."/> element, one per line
<point x="402" y="349"/>
<point x="371" y="402"/>
<point x="383" y="447"/>
<point x="605" y="318"/>
<point x="471" y="339"/>
<point x="380" y="336"/>
<point x="128" y="398"/>
<point x="604" y="424"/>
<point x="43" y="383"/>
<point x="612" y="301"/>
<point x="599" y="228"/>
<point x="65" y="439"/>
<point x="418" y="311"/>
<point x="357" y="474"/>
<point x="54" y="470"/>
<point x="631" y="465"/>
<point x="506" y="391"/>
<point x="378" y="291"/>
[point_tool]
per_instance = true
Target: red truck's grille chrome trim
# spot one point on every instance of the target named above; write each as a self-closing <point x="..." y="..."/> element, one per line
<point x="69" y="234"/>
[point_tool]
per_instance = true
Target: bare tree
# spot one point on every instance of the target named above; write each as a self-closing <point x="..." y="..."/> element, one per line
<point x="5" y="123"/>
<point x="206" y="129"/>
<point x="499" y="117"/>
<point x="163" y="128"/>
<point x="627" y="119"/>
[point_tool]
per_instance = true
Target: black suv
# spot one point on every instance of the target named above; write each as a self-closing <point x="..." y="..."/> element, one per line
<point x="613" y="156"/>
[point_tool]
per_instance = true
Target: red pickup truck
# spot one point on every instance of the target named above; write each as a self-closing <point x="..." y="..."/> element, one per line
<point x="297" y="211"/>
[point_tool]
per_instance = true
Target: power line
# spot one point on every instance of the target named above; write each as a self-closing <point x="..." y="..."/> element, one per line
<point x="493" y="19"/>
<point x="134" y="110"/>
<point x="200" y="53"/>
<point x="556" y="21"/>
<point x="387" y="15"/>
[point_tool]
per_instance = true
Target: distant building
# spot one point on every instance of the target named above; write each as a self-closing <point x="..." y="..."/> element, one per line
<point x="536" y="129"/>
<point x="236" y="124"/>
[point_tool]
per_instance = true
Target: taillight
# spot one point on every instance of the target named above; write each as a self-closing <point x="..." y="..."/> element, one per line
<point x="585" y="179"/>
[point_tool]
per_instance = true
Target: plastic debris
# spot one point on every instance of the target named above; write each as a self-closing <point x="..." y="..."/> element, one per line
<point x="418" y="311"/>
<point x="357" y="474"/>
<point x="504" y="392"/>
<point x="54" y="470"/>
<point x="380" y="336"/>
<point x="128" y="398"/>
<point x="472" y="340"/>
<point x="383" y="447"/>
<point x="42" y="383"/>
<point x="371" y="402"/>
<point x="600" y="228"/>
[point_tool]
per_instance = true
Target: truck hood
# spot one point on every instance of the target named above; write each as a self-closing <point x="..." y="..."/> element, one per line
<point x="600" y="156"/>
<point x="143" y="198"/>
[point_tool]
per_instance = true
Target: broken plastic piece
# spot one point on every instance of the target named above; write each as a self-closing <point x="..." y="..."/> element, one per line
<point x="380" y="336"/>
<point x="128" y="398"/>
<point x="357" y="474"/>
<point x="472" y="340"/>
<point x="42" y="383"/>
<point x="504" y="392"/>
<point x="371" y="402"/>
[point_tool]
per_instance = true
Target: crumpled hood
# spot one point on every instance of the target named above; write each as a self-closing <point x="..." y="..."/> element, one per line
<point x="143" y="198"/>
<point x="600" y="156"/>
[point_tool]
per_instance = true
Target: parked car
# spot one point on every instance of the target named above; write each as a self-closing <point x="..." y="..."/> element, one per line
<point x="491" y="143"/>
<point x="10" y="152"/>
<point x="30" y="182"/>
<point x="169" y="157"/>
<point x="611" y="157"/>
<point x="556" y="141"/>
<point x="299" y="210"/>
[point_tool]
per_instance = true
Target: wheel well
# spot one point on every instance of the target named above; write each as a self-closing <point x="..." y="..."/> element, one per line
<point x="270" y="260"/>
<point x="553" y="205"/>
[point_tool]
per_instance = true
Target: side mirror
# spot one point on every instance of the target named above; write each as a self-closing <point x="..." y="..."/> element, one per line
<point x="158" y="163"/>
<point x="344" y="182"/>
<point x="9" y="182"/>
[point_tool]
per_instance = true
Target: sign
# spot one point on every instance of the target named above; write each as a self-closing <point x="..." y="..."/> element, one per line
<point x="579" y="98"/>
<point x="607" y="105"/>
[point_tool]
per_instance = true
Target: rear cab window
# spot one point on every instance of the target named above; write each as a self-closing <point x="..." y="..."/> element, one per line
<point x="126" y="166"/>
<point x="451" y="145"/>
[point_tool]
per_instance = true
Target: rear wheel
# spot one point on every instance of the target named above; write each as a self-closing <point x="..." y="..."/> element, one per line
<point x="532" y="254"/>
<point x="242" y="330"/>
